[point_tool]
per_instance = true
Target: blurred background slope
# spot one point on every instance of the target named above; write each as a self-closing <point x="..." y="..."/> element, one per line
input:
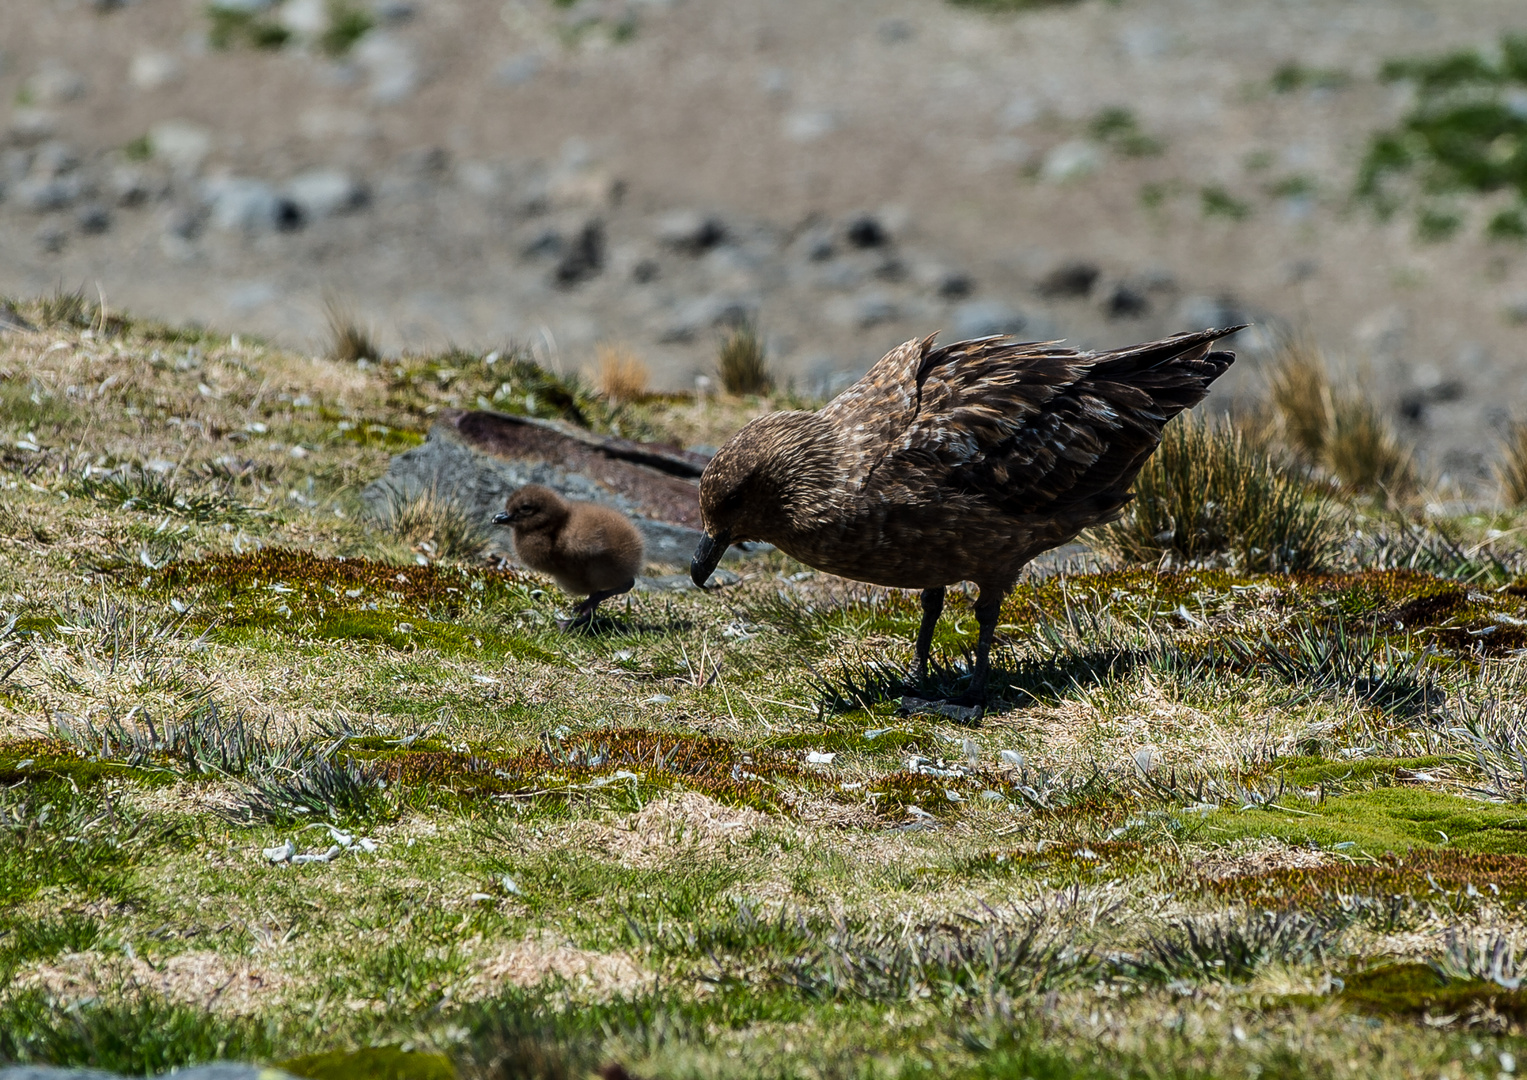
<point x="651" y="175"/>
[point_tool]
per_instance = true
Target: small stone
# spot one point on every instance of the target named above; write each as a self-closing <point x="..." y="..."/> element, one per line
<point x="955" y="285"/>
<point x="181" y="145"/>
<point x="392" y="65"/>
<point x="690" y="231"/>
<point x="518" y="70"/>
<point x="584" y="258"/>
<point x="93" y="218"/>
<point x="708" y="312"/>
<point x="894" y="31"/>
<point x="181" y="222"/>
<point x="645" y="271"/>
<point x="242" y="7"/>
<point x="50" y="238"/>
<point x="810" y="126"/>
<point x="54" y="84"/>
<point x="321" y="193"/>
<point x="151" y="70"/>
<point x="305" y="18"/>
<point x="1125" y="302"/>
<point x="30" y="123"/>
<point x="1072" y="280"/>
<point x="42" y="194"/>
<point x="984" y="318"/>
<point x="54" y="159"/>
<point x="393" y="11"/>
<point x="866" y="231"/>
<point x="244" y="204"/>
<point x="1516" y="309"/>
<point x="131" y="186"/>
<point x="1071" y="161"/>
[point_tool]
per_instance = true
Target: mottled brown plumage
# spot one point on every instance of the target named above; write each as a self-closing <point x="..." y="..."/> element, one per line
<point x="588" y="550"/>
<point x="952" y="464"/>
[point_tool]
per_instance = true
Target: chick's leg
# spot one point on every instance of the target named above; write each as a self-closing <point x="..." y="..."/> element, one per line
<point x="583" y="615"/>
<point x="933" y="607"/>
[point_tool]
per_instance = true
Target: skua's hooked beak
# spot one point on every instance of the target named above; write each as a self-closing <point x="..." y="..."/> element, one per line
<point x="707" y="555"/>
<point x="502" y="519"/>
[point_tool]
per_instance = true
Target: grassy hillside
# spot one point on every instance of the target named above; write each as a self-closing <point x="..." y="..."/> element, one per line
<point x="1220" y="823"/>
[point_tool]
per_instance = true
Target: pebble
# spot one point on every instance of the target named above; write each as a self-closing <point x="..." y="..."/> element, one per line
<point x="391" y="64"/>
<point x="518" y="70"/>
<point x="689" y="231"/>
<point x="93" y="217"/>
<point x="181" y="145"/>
<point x="321" y="193"/>
<point x="244" y="204"/>
<point x="54" y="84"/>
<point x="707" y="312"/>
<point x="40" y="194"/>
<point x="1071" y="280"/>
<point x="1071" y="161"/>
<point x="151" y="70"/>
<point x="982" y="318"/>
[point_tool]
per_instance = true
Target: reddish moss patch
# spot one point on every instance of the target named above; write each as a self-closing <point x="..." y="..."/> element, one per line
<point x="1418" y="873"/>
<point x="1074" y="859"/>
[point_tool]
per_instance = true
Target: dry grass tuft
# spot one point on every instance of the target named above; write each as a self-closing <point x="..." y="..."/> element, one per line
<point x="1210" y="494"/>
<point x="1511" y="473"/>
<point x="1335" y="430"/>
<point x="348" y="340"/>
<point x="434" y="525"/>
<point x="621" y="376"/>
<point x="741" y="364"/>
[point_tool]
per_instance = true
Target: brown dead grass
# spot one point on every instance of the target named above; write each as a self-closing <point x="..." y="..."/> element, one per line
<point x="620" y="374"/>
<point x="545" y="957"/>
<point x="201" y="978"/>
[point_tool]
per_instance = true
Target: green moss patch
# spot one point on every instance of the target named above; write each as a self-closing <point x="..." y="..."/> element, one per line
<point x="1421" y="992"/>
<point x="372" y="1063"/>
<point x="1379" y="821"/>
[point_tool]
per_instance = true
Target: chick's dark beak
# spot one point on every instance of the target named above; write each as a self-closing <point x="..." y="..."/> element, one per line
<point x="707" y="555"/>
<point x="502" y="519"/>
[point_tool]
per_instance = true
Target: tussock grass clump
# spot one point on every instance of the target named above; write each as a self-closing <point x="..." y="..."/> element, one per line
<point x="348" y="340"/>
<point x="1511" y="472"/>
<point x="1338" y="431"/>
<point x="1234" y="947"/>
<point x="1209" y="494"/>
<point x="741" y="364"/>
<point x="153" y="493"/>
<point x="434" y="524"/>
<point x="621" y="375"/>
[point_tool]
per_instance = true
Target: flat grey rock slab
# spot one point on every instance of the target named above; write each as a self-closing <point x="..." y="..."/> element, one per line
<point x="477" y="459"/>
<point x="719" y="578"/>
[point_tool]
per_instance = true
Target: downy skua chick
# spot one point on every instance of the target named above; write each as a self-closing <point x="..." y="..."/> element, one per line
<point x="952" y="464"/>
<point x="588" y="550"/>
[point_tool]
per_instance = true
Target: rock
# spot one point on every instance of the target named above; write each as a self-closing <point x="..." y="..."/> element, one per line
<point x="11" y="320"/>
<point x="40" y="194"/>
<point x="476" y="459"/>
<point x="1198" y="312"/>
<point x="583" y="259"/>
<point x="93" y="217"/>
<point x="29" y="123"/>
<point x="242" y="7"/>
<point x="518" y="70"/>
<point x="482" y="178"/>
<point x="391" y="64"/>
<point x="182" y="146"/>
<point x="866" y="231"/>
<point x="1071" y="161"/>
<point x="151" y="70"/>
<point x="646" y="271"/>
<point x="983" y="318"/>
<point x="955" y="285"/>
<point x="132" y="186"/>
<point x="1125" y="302"/>
<point x="684" y="583"/>
<point x="708" y="312"/>
<point x="321" y="193"/>
<point x="54" y="159"/>
<point x="307" y="19"/>
<point x="181" y="223"/>
<point x="50" y="238"/>
<point x="1019" y="112"/>
<point x="894" y="31"/>
<point x="810" y="126"/>
<point x="1515" y="309"/>
<point x="243" y="204"/>
<point x="393" y="11"/>
<point x="54" y="84"/>
<point x="1073" y="280"/>
<point x="690" y="231"/>
<point x="870" y="309"/>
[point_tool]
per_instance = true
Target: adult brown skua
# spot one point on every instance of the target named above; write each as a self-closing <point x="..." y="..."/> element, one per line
<point x="588" y="550"/>
<point x="953" y="464"/>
